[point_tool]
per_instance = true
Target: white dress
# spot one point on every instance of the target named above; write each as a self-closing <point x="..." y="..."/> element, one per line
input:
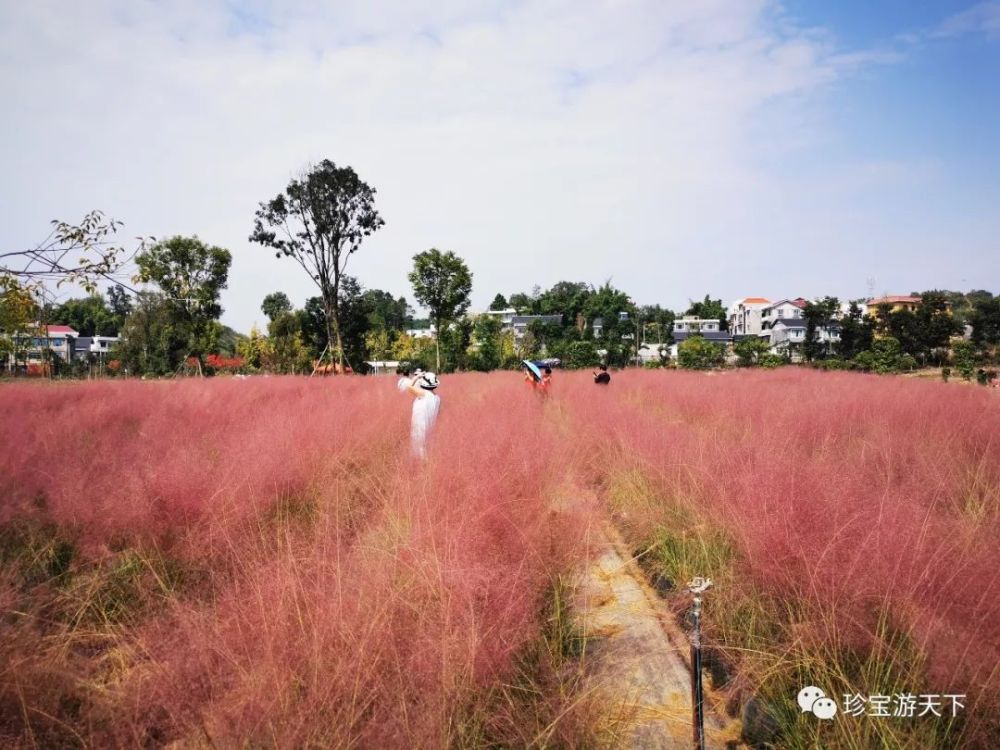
<point x="425" y="411"/>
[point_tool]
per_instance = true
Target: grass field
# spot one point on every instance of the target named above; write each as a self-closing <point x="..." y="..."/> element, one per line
<point x="260" y="563"/>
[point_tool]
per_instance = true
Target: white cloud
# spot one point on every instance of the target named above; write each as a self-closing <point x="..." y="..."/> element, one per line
<point x="647" y="141"/>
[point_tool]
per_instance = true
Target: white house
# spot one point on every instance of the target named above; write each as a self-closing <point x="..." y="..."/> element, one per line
<point x="745" y="316"/>
<point x="85" y="347"/>
<point x="421" y="333"/>
<point x="783" y="326"/>
<point x="707" y="328"/>
<point x="506" y="317"/>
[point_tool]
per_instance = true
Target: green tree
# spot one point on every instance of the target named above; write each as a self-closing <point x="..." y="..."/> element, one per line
<point x="320" y="221"/>
<point x="525" y="304"/>
<point x="276" y="304"/>
<point x="936" y="325"/>
<point x="818" y="315"/>
<point x="885" y="356"/>
<point x="499" y="303"/>
<point x="120" y="305"/>
<point x="855" y="332"/>
<point x="191" y="275"/>
<point x="154" y="340"/>
<point x="619" y="334"/>
<point x="89" y="316"/>
<point x="581" y="354"/>
<point x="442" y="283"/>
<point x="751" y="351"/>
<point x="255" y="349"/>
<point x="286" y="353"/>
<point x="985" y="320"/>
<point x="18" y="313"/>
<point x="963" y="355"/>
<point x="486" y="337"/>
<point x="453" y="342"/>
<point x="710" y="309"/>
<point x="696" y="353"/>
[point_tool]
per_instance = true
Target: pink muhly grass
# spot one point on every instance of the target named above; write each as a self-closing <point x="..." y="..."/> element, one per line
<point x="343" y="593"/>
<point x="852" y="494"/>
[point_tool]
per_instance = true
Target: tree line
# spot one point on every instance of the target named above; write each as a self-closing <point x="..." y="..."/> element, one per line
<point x="321" y="219"/>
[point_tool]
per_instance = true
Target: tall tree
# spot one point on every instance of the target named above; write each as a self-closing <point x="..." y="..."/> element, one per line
<point x="275" y="304"/>
<point x="855" y="332"/>
<point x="120" y="304"/>
<point x="442" y="283"/>
<point x="499" y="303"/>
<point x="818" y="315"/>
<point x="486" y="333"/>
<point x="89" y="316"/>
<point x="985" y="320"/>
<point x="191" y="275"/>
<point x="154" y="341"/>
<point x="320" y="221"/>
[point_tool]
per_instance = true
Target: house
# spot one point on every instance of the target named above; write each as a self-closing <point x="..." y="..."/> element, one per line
<point x="521" y="323"/>
<point x="745" y="316"/>
<point x="783" y="326"/>
<point x="506" y="317"/>
<point x="707" y="328"/>
<point x="93" y="347"/>
<point x="653" y="353"/>
<point x="382" y="366"/>
<point x="421" y="333"/>
<point x="896" y="302"/>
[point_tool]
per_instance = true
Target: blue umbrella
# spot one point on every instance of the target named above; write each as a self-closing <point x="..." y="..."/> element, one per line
<point x="532" y="368"/>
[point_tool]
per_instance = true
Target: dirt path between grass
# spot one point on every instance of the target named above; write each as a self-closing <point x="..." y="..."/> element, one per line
<point x="636" y="658"/>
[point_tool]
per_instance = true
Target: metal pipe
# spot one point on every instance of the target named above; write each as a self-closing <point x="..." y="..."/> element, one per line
<point x="697" y="587"/>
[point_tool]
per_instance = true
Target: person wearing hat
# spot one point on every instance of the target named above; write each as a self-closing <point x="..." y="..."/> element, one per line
<point x="426" y="404"/>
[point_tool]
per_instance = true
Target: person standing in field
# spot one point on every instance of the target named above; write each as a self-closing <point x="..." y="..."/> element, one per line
<point x="403" y="384"/>
<point x="546" y="382"/>
<point x="602" y="377"/>
<point x="426" y="404"/>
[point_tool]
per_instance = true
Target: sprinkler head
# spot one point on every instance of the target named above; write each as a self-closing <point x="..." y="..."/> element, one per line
<point x="699" y="585"/>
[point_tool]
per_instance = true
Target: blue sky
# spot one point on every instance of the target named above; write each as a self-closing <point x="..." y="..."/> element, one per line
<point x="731" y="147"/>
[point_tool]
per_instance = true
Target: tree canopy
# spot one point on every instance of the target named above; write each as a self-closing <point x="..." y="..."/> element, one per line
<point x="442" y="283"/>
<point x="320" y="221"/>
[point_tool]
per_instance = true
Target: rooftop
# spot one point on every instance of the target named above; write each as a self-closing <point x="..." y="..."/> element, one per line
<point x="895" y="299"/>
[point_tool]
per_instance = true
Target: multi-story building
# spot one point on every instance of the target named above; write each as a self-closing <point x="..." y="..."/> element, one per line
<point x="896" y="302"/>
<point x="745" y="316"/>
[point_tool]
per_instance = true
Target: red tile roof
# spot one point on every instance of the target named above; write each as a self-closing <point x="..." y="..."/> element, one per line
<point x="756" y="300"/>
<point x="61" y="329"/>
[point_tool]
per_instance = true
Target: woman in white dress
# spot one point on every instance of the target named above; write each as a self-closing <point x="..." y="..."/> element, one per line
<point x="426" y="404"/>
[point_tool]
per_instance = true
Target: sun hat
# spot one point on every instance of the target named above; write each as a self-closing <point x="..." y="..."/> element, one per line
<point x="428" y="381"/>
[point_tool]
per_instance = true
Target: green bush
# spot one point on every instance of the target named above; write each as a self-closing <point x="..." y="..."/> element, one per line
<point x="770" y="361"/>
<point x="963" y="356"/>
<point x="696" y="353"/>
<point x="579" y="354"/>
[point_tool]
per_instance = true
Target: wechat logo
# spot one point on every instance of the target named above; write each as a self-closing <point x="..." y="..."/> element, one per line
<point x="813" y="699"/>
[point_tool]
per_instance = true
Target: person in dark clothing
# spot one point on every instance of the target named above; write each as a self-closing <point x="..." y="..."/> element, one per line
<point x="602" y="377"/>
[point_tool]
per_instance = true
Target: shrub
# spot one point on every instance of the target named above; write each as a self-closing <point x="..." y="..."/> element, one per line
<point x="963" y="356"/>
<point x="695" y="353"/>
